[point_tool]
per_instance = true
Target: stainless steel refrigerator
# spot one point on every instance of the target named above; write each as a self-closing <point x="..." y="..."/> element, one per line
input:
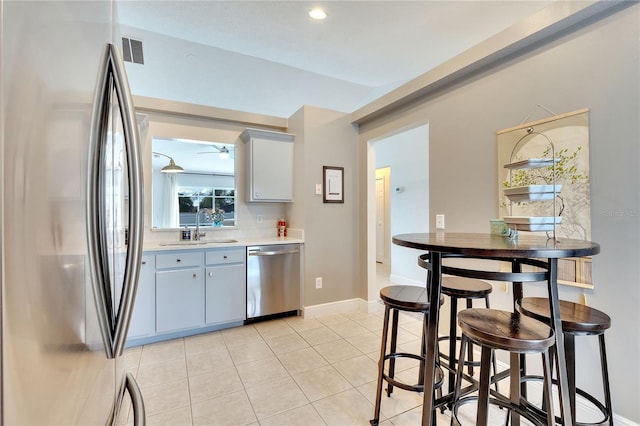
<point x="71" y="214"/>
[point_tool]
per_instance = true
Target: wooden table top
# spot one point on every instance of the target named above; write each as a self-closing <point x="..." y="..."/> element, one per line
<point x="488" y="245"/>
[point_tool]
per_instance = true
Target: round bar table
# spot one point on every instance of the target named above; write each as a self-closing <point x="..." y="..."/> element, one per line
<point x="488" y="246"/>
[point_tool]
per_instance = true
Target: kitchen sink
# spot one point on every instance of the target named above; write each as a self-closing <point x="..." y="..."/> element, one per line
<point x="198" y="243"/>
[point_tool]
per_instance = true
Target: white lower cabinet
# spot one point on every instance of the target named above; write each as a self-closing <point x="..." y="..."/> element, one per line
<point x="143" y="319"/>
<point x="226" y="293"/>
<point x="179" y="299"/>
<point x="183" y="292"/>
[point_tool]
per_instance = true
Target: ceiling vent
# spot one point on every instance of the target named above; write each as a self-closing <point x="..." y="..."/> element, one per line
<point x="132" y="50"/>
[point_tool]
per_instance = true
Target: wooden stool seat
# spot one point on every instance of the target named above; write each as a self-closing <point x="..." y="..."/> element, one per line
<point x="465" y="288"/>
<point x="406" y="298"/>
<point x="576" y="318"/>
<point x="508" y="331"/>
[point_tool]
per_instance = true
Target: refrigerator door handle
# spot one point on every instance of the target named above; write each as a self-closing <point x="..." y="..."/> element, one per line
<point x="113" y="326"/>
<point x="139" y="415"/>
<point x="97" y="245"/>
<point x="136" y="216"/>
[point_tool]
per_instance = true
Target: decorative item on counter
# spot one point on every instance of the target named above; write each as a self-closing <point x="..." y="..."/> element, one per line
<point x="185" y="234"/>
<point x="282" y="228"/>
<point x="217" y="216"/>
<point x="498" y="227"/>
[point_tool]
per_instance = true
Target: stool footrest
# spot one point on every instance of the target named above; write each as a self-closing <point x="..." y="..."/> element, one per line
<point x="401" y="385"/>
<point x="541" y="413"/>
<point x="396" y="355"/>
<point x="414" y="388"/>
<point x="502" y="403"/>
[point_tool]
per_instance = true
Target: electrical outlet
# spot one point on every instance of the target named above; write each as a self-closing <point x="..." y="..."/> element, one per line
<point x="439" y="221"/>
<point x="259" y="218"/>
<point x="318" y="282"/>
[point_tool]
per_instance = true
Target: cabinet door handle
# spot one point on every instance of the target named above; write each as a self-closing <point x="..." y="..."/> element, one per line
<point x="178" y="260"/>
<point x="224" y="257"/>
<point x="210" y="274"/>
<point x="195" y="275"/>
<point x="144" y="263"/>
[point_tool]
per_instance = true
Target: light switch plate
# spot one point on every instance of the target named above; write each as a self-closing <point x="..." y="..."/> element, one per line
<point x="318" y="189"/>
<point x="439" y="221"/>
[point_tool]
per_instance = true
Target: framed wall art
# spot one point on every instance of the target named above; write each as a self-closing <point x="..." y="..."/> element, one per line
<point x="333" y="184"/>
<point x="569" y="135"/>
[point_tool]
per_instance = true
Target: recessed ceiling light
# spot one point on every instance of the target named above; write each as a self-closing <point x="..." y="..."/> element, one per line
<point x="318" y="13"/>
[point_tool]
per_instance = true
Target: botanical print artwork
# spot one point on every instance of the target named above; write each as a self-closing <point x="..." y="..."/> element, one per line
<point x="565" y="137"/>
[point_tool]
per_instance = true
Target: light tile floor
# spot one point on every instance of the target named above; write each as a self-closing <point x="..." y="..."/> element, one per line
<point x="291" y="371"/>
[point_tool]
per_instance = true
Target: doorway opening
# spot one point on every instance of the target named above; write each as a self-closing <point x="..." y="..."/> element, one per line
<point x="398" y="193"/>
<point x="383" y="213"/>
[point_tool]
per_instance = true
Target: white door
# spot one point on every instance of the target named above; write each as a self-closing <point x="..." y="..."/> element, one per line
<point x="380" y="220"/>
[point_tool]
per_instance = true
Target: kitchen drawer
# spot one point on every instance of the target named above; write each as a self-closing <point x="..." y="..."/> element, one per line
<point x="178" y="260"/>
<point x="224" y="256"/>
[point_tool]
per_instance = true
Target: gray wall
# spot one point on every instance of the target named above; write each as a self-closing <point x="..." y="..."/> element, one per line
<point x="325" y="138"/>
<point x="595" y="67"/>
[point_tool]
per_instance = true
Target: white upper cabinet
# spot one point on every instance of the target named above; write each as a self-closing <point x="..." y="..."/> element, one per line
<point x="269" y="166"/>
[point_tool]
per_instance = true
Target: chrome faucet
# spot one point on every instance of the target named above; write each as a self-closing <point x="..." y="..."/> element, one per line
<point x="198" y="234"/>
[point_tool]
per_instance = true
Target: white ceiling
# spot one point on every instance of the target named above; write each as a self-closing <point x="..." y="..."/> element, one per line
<point x="362" y="50"/>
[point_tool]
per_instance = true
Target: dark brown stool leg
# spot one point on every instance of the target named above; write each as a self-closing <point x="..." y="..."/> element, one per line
<point x="605" y="378"/>
<point x="546" y="366"/>
<point x="452" y="341"/>
<point x="482" y="415"/>
<point x="570" y="357"/>
<point x="470" y="347"/>
<point x="394" y="344"/>
<point x="383" y="347"/>
<point x="423" y="351"/>
<point x="458" y="384"/>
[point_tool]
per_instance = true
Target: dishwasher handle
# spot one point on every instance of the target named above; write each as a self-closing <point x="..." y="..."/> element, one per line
<point x="272" y="253"/>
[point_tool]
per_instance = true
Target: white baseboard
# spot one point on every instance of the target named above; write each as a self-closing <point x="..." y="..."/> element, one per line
<point x="331" y="308"/>
<point x="374" y="306"/>
<point x="400" y="280"/>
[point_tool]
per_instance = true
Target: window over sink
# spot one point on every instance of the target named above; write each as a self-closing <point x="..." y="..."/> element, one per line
<point x="205" y="185"/>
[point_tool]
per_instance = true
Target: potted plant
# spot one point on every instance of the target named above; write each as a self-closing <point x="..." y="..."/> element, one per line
<point x="217" y="216"/>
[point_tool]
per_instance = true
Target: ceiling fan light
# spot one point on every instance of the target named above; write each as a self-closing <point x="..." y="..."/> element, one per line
<point x="224" y="153"/>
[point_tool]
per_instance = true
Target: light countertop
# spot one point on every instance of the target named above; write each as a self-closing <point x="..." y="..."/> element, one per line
<point x="207" y="243"/>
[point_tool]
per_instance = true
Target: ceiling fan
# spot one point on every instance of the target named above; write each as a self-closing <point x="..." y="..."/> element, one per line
<point x="222" y="152"/>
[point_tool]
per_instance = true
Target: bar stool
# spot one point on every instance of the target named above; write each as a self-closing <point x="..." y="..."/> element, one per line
<point x="398" y="298"/>
<point x="456" y="288"/>
<point x="493" y="329"/>
<point x="467" y="289"/>
<point x="577" y="320"/>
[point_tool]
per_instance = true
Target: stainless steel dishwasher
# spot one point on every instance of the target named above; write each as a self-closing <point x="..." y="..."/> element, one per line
<point x="273" y="280"/>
